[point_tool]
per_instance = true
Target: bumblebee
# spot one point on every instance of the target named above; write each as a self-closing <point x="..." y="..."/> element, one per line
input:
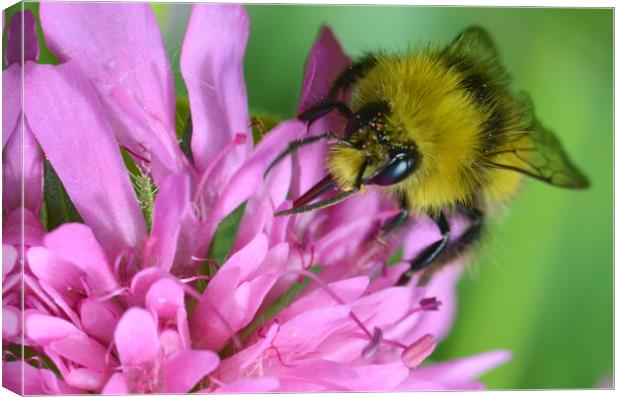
<point x="441" y="131"/>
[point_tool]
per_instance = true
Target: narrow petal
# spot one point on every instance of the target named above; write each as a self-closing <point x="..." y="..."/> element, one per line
<point x="11" y="100"/>
<point x="136" y="337"/>
<point x="120" y="49"/>
<point x="171" y="205"/>
<point x="325" y="62"/>
<point x="185" y="368"/>
<point x="307" y="330"/>
<point x="212" y="67"/>
<point x="245" y="261"/>
<point x="43" y="328"/>
<point x="259" y="212"/>
<point x="81" y="349"/>
<point x="84" y="153"/>
<point x="347" y="290"/>
<point x="14" y="38"/>
<point x="378" y="377"/>
<point x="244" y="183"/>
<point x="233" y="367"/>
<point x="464" y="369"/>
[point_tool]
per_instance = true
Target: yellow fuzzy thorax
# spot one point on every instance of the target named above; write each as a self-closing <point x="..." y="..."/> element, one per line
<point x="430" y="109"/>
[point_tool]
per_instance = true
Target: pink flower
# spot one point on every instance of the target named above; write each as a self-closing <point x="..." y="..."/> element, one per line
<point x="115" y="302"/>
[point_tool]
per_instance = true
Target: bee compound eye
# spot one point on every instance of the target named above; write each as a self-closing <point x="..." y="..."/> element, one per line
<point x="400" y="165"/>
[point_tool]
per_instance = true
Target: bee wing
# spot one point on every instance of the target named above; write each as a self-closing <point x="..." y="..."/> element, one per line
<point x="538" y="153"/>
<point x="474" y="39"/>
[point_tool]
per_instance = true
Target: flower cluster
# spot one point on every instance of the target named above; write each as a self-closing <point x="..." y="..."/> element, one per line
<point x="119" y="302"/>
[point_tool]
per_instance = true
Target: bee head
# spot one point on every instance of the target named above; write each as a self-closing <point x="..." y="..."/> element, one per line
<point x="372" y="161"/>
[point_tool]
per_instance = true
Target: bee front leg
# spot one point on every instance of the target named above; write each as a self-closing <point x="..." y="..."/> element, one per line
<point x="430" y="253"/>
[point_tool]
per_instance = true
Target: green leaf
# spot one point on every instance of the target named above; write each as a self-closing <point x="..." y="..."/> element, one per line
<point x="225" y="235"/>
<point x="58" y="205"/>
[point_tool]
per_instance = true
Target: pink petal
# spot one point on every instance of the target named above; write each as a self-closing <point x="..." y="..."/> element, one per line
<point x="239" y="267"/>
<point x="170" y="341"/>
<point x="307" y="330"/>
<point x="43" y="328"/>
<point x="62" y="276"/>
<point x="257" y="289"/>
<point x="81" y="349"/>
<point x="120" y="49"/>
<point x="250" y="175"/>
<point x="332" y="375"/>
<point x="84" y="153"/>
<point x="212" y="67"/>
<point x="238" y="310"/>
<point x="383" y="307"/>
<point x="185" y="368"/>
<point x="11" y="322"/>
<point x="9" y="259"/>
<point x="11" y="98"/>
<point x="36" y="381"/>
<point x="347" y="290"/>
<point x="31" y="227"/>
<point x="325" y="62"/>
<point x="165" y="297"/>
<point x="14" y="38"/>
<point x="258" y="215"/>
<point x="234" y="366"/>
<point x="443" y="287"/>
<point x="171" y="204"/>
<point x="22" y="159"/>
<point x="86" y="379"/>
<point x="265" y="384"/>
<point x="136" y="337"/>
<point x="275" y="261"/>
<point x="99" y="318"/>
<point x="380" y="377"/>
<point x="142" y="281"/>
<point x="75" y="243"/>
<point x="116" y="385"/>
<point x="464" y="369"/>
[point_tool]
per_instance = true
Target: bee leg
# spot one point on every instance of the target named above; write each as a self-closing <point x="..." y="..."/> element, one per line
<point x="464" y="242"/>
<point x="430" y="253"/>
<point x="471" y="234"/>
<point x="395" y="222"/>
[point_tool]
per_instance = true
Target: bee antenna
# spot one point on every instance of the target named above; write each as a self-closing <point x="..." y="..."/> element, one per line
<point x="294" y="145"/>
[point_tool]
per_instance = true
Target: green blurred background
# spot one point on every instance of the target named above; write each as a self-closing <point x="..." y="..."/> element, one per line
<point x="543" y="285"/>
